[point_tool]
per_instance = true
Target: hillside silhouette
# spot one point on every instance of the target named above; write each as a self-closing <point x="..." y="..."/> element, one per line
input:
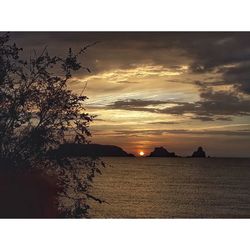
<point x="94" y="150"/>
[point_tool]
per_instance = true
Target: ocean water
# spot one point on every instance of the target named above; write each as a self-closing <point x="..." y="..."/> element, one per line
<point x="173" y="188"/>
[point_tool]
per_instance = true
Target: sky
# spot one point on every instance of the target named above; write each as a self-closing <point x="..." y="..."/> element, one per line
<point x="177" y="90"/>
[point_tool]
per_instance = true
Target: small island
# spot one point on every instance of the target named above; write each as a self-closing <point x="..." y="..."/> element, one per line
<point x="161" y="152"/>
<point x="200" y="153"/>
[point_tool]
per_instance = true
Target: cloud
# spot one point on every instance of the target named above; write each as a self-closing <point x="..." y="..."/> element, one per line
<point x="137" y="71"/>
<point x="243" y="132"/>
<point x="239" y="76"/>
<point x="210" y="118"/>
<point x="202" y="52"/>
<point x="164" y="123"/>
<point x="212" y="50"/>
<point x="134" y="103"/>
<point x="203" y="118"/>
<point x="224" y="53"/>
<point x="223" y="118"/>
<point x="214" y="105"/>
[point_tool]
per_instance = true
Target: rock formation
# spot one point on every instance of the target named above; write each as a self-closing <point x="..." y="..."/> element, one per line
<point x="161" y="152"/>
<point x="200" y="153"/>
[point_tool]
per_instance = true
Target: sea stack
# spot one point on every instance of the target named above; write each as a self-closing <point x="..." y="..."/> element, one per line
<point x="161" y="152"/>
<point x="200" y="153"/>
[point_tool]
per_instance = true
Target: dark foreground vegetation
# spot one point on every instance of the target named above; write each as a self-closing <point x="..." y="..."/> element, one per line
<point x="38" y="113"/>
<point x="28" y="195"/>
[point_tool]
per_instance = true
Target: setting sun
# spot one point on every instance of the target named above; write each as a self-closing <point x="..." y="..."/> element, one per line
<point x="141" y="153"/>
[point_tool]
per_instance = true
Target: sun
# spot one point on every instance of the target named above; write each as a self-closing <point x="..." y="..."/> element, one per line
<point x="141" y="153"/>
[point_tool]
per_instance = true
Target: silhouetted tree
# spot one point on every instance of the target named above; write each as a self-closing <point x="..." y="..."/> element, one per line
<point x="38" y="113"/>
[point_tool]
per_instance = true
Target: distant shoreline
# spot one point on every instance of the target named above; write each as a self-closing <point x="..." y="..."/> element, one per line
<point x="99" y="150"/>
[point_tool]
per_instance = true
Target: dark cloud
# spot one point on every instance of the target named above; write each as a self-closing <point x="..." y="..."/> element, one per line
<point x="211" y="50"/>
<point x="211" y="105"/>
<point x="134" y="103"/>
<point x="214" y="118"/>
<point x="203" y="51"/>
<point x="238" y="75"/>
<point x="223" y="103"/>
<point x="203" y="118"/>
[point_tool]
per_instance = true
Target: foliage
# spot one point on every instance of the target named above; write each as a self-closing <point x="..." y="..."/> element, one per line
<point x="38" y="113"/>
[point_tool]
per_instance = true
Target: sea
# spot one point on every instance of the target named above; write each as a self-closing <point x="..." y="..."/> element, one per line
<point x="173" y="188"/>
